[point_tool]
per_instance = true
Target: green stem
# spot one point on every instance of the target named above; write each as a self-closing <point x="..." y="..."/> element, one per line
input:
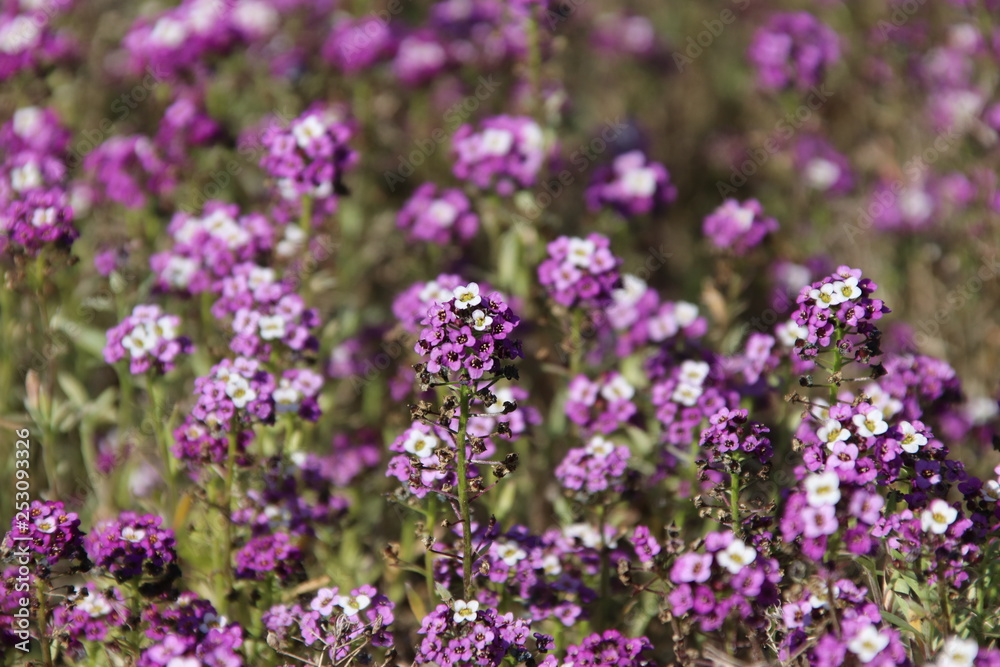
<point x="43" y="618"/>
<point x="161" y="438"/>
<point x="227" y="519"/>
<point x="734" y="502"/>
<point x="430" y="520"/>
<point x="576" y="343"/>
<point x="463" y="492"/>
<point x="605" y="574"/>
<point x="305" y="222"/>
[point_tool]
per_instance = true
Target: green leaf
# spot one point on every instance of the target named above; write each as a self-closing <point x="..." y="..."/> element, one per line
<point x="74" y="390"/>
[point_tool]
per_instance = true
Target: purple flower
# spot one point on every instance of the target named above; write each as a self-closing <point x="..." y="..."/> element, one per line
<point x="793" y="50"/>
<point x="506" y="154"/>
<point x="632" y="186"/>
<point x="438" y="217"/>
<point x="738" y="227"/>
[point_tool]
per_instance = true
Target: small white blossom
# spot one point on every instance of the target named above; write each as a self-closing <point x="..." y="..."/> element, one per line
<point x="937" y="517"/>
<point x="240" y="391"/>
<point x="618" y="389"/>
<point x="511" y="553"/>
<point x="133" y="535"/>
<point x="495" y="142"/>
<point x="736" y="556"/>
<point x="685" y="313"/>
<point x="307" y="130"/>
<point x="822" y="489"/>
<point x="958" y="652"/>
<point x="465" y="611"/>
<point x="832" y="432"/>
<point x="868" y="643"/>
<point x="420" y="444"/>
<point x="870" y="424"/>
<point x="581" y="252"/>
<point x="353" y="604"/>
<point x="46" y="524"/>
<point x="639" y="182"/>
<point x="599" y="447"/>
<point x="272" y="327"/>
<point x="910" y="440"/>
<point x="467" y="295"/>
<point x="694" y="372"/>
<point x="481" y="321"/>
<point x="686" y="394"/>
<point x="826" y="296"/>
<point x="442" y="212"/>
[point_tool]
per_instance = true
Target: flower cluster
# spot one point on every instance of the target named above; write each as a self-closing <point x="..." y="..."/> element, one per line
<point x="28" y="38"/>
<point x="738" y="227"/>
<point x="840" y="305"/>
<point x="633" y="185"/>
<point x="465" y="634"/>
<point x="580" y="272"/>
<point x="600" y="406"/>
<point x="339" y="625"/>
<point x="265" y="310"/>
<point x="438" y="216"/>
<point x="132" y="546"/>
<point x="308" y="160"/>
<point x="730" y="577"/>
<point x="273" y="554"/>
<point x="208" y="247"/>
<point x="89" y="614"/>
<point x="149" y="339"/>
<point x="793" y="50"/>
<point x="35" y="206"/>
<point x="129" y="171"/>
<point x="48" y="530"/>
<point x="468" y="334"/>
<point x="731" y="436"/>
<point x="189" y="631"/>
<point x="505" y="154"/>
<point x="600" y="466"/>
<point x="607" y="649"/>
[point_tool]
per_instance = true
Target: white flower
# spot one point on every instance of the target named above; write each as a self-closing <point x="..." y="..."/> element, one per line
<point x="868" y="643"/>
<point x="185" y="662"/>
<point x="481" y="321"/>
<point x="259" y="277"/>
<point x="466" y="296"/>
<point x="443" y="213"/>
<point x="272" y="327"/>
<point x="826" y="296"/>
<point x="290" y="245"/>
<point x="822" y="489"/>
<point x="139" y="342"/>
<point x="166" y="327"/>
<point x="94" y="605"/>
<point x="870" y="424"/>
<point x="133" y="535"/>
<point x="848" y="289"/>
<point x="168" y="33"/>
<point x="915" y="205"/>
<point x="618" y="389"/>
<point x="832" y="432"/>
<point x="958" y="652"/>
<point x="43" y="217"/>
<point x="632" y="289"/>
<point x="307" y="130"/>
<point x="420" y="444"/>
<point x="789" y="332"/>
<point x="179" y="271"/>
<point x="46" y="524"/>
<point x="353" y="604"/>
<point x="685" y="313"/>
<point x="600" y="447"/>
<point x="26" y="121"/>
<point x="938" y="516"/>
<point x="910" y="441"/>
<point x="693" y="372"/>
<point x="495" y="142"/>
<point x="551" y="565"/>
<point x="19" y="34"/>
<point x="736" y="556"/>
<point x="511" y="553"/>
<point x="686" y="394"/>
<point x="239" y="390"/>
<point x="743" y="216"/>
<point x="640" y="182"/>
<point x="26" y="177"/>
<point x="503" y="395"/>
<point x="465" y="611"/>
<point x="821" y="173"/>
<point x="286" y="397"/>
<point x="581" y="252"/>
<point x="661" y="326"/>
<point x="991" y="491"/>
<point x="432" y="292"/>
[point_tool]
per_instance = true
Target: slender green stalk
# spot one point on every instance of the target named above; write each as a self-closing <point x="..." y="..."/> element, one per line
<point x="605" y="574"/>
<point x="463" y="491"/>
<point x="734" y="502"/>
<point x="161" y="437"/>
<point x="430" y="519"/>
<point x="576" y="342"/>
<point x="305" y="222"/>
<point x="227" y="519"/>
<point x="43" y="618"/>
